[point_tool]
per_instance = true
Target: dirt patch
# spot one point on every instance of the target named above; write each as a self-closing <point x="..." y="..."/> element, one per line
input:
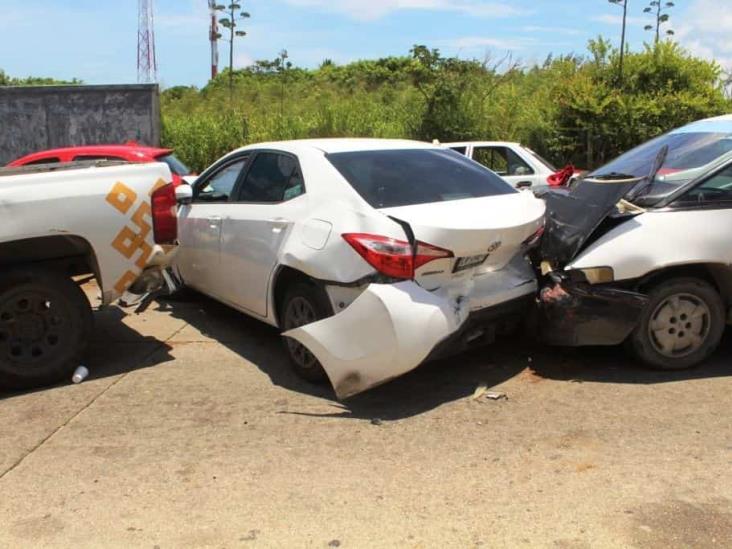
<point x="682" y="524"/>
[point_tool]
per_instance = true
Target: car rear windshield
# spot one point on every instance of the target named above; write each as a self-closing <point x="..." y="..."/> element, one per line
<point x="391" y="178"/>
<point x="176" y="166"/>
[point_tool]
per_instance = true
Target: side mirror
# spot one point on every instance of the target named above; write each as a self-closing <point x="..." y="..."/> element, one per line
<point x="190" y="179"/>
<point x="183" y="194"/>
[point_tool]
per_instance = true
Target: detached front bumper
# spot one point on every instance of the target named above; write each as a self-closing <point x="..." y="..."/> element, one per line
<point x="391" y="329"/>
<point x="575" y="314"/>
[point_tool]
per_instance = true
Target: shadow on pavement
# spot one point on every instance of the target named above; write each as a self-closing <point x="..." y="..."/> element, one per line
<point x="434" y="383"/>
<point x="615" y="365"/>
<point x="114" y="349"/>
<point x="423" y="389"/>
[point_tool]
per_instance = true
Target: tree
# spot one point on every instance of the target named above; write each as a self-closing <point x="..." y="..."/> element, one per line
<point x="660" y="12"/>
<point x="231" y="23"/>
<point x="624" y="5"/>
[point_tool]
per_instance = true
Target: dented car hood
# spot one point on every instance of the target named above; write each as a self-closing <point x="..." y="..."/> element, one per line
<point x="572" y="217"/>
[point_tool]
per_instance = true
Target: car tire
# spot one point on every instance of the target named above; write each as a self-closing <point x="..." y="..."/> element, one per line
<point x="303" y="304"/>
<point x="45" y="324"/>
<point x="681" y="326"/>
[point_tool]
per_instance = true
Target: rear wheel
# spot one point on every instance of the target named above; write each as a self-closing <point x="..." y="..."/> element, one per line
<point x="45" y="323"/>
<point x="681" y="326"/>
<point x="304" y="303"/>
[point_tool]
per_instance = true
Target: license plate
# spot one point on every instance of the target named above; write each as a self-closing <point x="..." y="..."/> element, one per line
<point x="469" y="262"/>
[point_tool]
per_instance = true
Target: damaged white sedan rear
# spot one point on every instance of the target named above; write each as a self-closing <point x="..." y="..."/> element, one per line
<point x="371" y="255"/>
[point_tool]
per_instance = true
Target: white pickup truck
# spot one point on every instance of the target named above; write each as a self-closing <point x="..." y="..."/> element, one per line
<point x="59" y="223"/>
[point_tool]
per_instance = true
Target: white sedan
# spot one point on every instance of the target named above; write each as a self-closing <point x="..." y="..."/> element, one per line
<point x="641" y="249"/>
<point x="371" y="255"/>
<point x="515" y="163"/>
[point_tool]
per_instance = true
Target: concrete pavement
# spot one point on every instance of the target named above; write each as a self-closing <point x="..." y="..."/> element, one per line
<point x="192" y="432"/>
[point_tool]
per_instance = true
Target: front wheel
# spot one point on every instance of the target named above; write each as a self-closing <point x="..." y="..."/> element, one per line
<point x="45" y="324"/>
<point x="303" y="304"/>
<point x="681" y="326"/>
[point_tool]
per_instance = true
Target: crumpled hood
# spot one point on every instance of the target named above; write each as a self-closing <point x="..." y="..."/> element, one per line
<point x="572" y="217"/>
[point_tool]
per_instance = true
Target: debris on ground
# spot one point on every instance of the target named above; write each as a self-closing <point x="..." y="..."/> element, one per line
<point x="480" y="390"/>
<point x="376" y="421"/>
<point x="80" y="374"/>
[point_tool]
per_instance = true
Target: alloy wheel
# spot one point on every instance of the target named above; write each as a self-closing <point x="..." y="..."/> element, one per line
<point x="300" y="312"/>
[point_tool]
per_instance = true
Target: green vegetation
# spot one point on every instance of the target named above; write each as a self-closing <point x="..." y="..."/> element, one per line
<point x="570" y="108"/>
<point x="6" y="80"/>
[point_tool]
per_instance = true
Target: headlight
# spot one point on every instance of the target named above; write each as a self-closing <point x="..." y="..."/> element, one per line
<point x="598" y="275"/>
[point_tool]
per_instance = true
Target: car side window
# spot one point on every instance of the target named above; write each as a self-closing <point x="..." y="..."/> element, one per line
<point x="219" y="186"/>
<point x="461" y="150"/>
<point x="501" y="160"/>
<point x="717" y="188"/>
<point x="272" y="178"/>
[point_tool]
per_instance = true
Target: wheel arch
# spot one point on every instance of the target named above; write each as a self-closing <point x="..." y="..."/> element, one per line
<point x="718" y="275"/>
<point x="71" y="254"/>
<point x="285" y="277"/>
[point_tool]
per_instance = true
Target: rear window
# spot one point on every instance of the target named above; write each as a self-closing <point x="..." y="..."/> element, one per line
<point x="176" y="166"/>
<point x="387" y="179"/>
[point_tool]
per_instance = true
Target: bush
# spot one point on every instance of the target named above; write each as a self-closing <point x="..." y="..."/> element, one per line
<point x="569" y="108"/>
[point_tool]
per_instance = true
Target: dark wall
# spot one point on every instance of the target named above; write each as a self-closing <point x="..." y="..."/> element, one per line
<point x="44" y="117"/>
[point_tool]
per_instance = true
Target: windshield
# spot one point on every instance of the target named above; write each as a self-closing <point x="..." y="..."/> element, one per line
<point x="391" y="178"/>
<point x="176" y="166"/>
<point x="691" y="151"/>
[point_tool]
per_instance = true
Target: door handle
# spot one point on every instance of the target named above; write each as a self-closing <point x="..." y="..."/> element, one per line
<point x="278" y="223"/>
<point x="214" y="222"/>
<point x="523" y="184"/>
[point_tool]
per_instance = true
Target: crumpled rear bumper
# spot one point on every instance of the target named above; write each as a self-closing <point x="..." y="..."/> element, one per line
<point x="391" y="329"/>
<point x="578" y="314"/>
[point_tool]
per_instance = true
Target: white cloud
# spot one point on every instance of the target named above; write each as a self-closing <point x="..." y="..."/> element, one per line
<point x="611" y="19"/>
<point x="706" y="30"/>
<point x="480" y="42"/>
<point x="556" y="30"/>
<point x="374" y="9"/>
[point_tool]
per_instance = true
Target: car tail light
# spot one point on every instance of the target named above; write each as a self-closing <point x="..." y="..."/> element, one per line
<point x="164" y="215"/>
<point x="394" y="258"/>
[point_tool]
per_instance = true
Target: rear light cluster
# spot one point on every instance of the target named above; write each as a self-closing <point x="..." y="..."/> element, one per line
<point x="394" y="258"/>
<point x="165" y="215"/>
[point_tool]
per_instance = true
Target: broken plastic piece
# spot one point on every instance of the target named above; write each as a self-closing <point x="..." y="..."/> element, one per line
<point x="387" y="331"/>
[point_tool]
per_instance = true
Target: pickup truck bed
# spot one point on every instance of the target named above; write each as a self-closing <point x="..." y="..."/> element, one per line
<point x="60" y="221"/>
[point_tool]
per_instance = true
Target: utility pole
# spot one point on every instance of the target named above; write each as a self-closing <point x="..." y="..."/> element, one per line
<point x="624" y="5"/>
<point x="214" y="36"/>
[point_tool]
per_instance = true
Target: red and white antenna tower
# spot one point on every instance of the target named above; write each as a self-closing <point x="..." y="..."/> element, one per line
<point x="214" y="38"/>
<point x="147" y="65"/>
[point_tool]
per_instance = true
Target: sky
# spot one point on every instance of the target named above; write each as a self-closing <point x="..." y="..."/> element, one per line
<point x="96" y="40"/>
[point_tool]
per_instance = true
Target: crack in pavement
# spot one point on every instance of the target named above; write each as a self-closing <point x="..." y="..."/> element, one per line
<point x="144" y="359"/>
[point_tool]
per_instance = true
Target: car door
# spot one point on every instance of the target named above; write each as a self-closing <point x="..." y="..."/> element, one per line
<point x="707" y="204"/>
<point x="506" y="163"/>
<point x="267" y="202"/>
<point x="199" y="225"/>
